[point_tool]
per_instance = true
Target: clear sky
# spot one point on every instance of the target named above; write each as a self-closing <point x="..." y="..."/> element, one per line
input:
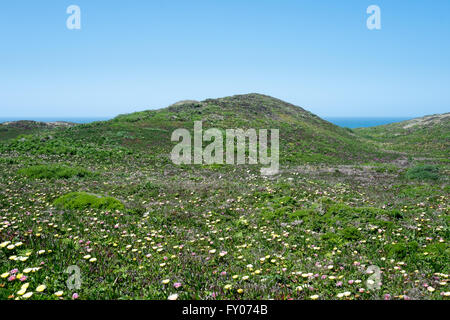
<point x="136" y="55"/>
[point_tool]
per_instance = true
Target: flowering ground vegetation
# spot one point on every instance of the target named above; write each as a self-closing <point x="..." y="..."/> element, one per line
<point x="351" y="215"/>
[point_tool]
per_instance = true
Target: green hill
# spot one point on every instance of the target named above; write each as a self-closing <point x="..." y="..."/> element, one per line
<point x="304" y="137"/>
<point x="427" y="136"/>
<point x="12" y="129"/>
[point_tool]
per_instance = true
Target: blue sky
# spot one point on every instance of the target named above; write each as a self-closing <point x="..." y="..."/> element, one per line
<point x="136" y="55"/>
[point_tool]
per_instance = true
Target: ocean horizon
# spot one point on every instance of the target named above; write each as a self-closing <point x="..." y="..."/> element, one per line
<point x="80" y="120"/>
<point x="363" y="122"/>
<point x="347" y="122"/>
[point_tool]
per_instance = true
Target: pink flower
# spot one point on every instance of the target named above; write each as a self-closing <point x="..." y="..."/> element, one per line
<point x="339" y="284"/>
<point x="12" y="278"/>
<point x="350" y="281"/>
<point x="75" y="296"/>
<point x="223" y="273"/>
<point x="23" y="278"/>
<point x="177" y="285"/>
<point x="14" y="271"/>
<point x="387" y="296"/>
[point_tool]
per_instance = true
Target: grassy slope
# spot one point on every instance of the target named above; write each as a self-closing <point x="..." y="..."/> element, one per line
<point x="326" y="219"/>
<point x="15" y="129"/>
<point x="427" y="136"/>
<point x="11" y="130"/>
<point x="304" y="137"/>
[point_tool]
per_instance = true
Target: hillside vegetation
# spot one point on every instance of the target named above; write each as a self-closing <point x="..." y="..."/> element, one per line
<point x="352" y="214"/>
<point x="9" y="130"/>
<point x="428" y="136"/>
<point x="304" y="137"/>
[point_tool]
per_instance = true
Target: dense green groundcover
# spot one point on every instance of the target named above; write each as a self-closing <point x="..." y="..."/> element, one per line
<point x="83" y="200"/>
<point x="423" y="172"/>
<point x="53" y="172"/>
<point x="351" y="214"/>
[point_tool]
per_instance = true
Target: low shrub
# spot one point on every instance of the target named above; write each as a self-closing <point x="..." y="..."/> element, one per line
<point x="423" y="172"/>
<point x="402" y="249"/>
<point x="54" y="172"/>
<point x="351" y="233"/>
<point x="83" y="200"/>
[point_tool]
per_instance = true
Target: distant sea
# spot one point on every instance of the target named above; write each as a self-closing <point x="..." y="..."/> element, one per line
<point x="52" y="119"/>
<point x="356" y="122"/>
<point x="349" y="122"/>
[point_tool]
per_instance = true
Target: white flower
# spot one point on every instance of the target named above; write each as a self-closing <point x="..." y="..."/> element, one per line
<point x="4" y="244"/>
<point x="41" y="288"/>
<point x="59" y="293"/>
<point x="21" y="291"/>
